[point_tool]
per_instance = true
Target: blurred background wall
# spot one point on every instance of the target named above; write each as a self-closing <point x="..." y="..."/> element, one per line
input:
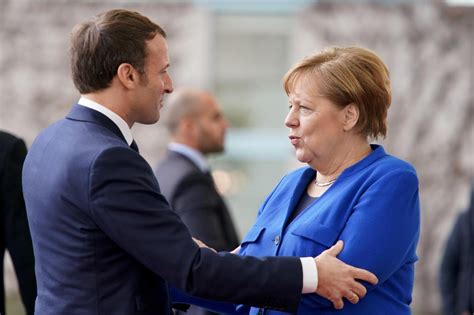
<point x="240" y="50"/>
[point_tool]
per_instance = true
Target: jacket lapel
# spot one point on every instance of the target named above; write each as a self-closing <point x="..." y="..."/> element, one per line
<point x="298" y="192"/>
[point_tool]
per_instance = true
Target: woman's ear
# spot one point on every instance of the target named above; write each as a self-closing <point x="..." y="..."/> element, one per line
<point x="128" y="75"/>
<point x="351" y="116"/>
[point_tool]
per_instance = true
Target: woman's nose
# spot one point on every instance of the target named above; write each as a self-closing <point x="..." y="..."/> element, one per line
<point x="291" y="119"/>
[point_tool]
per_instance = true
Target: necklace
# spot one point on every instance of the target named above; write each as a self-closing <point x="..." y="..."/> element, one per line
<point x="324" y="184"/>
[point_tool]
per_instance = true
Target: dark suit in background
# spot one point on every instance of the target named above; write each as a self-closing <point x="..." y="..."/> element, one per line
<point x="197" y="128"/>
<point x="193" y="196"/>
<point x="15" y="235"/>
<point x="457" y="265"/>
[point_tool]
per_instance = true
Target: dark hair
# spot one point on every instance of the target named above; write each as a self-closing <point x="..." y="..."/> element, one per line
<point x="349" y="75"/>
<point x="98" y="47"/>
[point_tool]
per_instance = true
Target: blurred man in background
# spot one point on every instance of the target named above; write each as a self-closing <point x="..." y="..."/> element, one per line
<point x="457" y="266"/>
<point x="197" y="128"/>
<point x="15" y="235"/>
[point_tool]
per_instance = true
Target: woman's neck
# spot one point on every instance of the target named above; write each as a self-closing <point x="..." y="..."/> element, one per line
<point x="335" y="164"/>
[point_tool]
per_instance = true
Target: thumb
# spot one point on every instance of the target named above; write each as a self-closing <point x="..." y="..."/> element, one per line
<point x="336" y="248"/>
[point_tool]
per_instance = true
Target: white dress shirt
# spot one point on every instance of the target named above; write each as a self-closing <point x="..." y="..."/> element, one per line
<point x="310" y="271"/>
<point x="194" y="155"/>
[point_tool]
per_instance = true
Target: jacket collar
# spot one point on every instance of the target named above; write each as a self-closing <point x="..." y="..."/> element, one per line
<point x="82" y="113"/>
<point x="378" y="152"/>
<point x="196" y="157"/>
<point x="308" y="175"/>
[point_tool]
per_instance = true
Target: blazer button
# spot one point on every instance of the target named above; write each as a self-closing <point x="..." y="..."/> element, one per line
<point x="277" y="240"/>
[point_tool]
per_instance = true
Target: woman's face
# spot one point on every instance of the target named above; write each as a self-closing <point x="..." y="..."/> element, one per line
<point x="316" y="124"/>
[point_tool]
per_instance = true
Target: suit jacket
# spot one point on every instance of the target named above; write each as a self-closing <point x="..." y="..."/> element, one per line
<point x="373" y="207"/>
<point x="14" y="234"/>
<point x="193" y="195"/>
<point x="457" y="265"/>
<point x="106" y="241"/>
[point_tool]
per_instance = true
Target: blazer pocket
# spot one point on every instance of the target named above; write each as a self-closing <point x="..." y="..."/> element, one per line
<point x="317" y="232"/>
<point x="253" y="235"/>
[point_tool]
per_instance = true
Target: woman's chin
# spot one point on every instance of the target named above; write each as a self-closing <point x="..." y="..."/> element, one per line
<point x="302" y="158"/>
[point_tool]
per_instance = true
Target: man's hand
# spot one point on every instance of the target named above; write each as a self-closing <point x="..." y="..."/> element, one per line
<point x="337" y="279"/>
<point x="202" y="244"/>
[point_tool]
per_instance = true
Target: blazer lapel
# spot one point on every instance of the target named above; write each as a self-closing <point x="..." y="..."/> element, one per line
<point x="298" y="192"/>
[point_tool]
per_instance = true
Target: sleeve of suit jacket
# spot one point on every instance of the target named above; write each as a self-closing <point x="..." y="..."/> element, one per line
<point x="126" y="204"/>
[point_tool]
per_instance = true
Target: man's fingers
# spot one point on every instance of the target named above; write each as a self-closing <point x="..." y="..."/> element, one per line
<point x="365" y="275"/>
<point x="359" y="289"/>
<point x="335" y="249"/>
<point x="338" y="280"/>
<point x="353" y="298"/>
<point x="338" y="303"/>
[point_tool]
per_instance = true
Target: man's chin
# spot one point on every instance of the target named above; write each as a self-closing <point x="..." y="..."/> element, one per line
<point x="149" y="120"/>
<point x="215" y="150"/>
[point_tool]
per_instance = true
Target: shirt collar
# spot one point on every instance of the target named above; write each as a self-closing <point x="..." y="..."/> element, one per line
<point x="121" y="124"/>
<point x="194" y="155"/>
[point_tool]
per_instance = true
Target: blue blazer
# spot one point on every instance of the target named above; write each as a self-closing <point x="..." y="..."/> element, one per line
<point x="106" y="241"/>
<point x="373" y="207"/>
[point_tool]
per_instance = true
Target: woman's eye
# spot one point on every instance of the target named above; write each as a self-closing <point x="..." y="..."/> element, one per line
<point x="305" y="110"/>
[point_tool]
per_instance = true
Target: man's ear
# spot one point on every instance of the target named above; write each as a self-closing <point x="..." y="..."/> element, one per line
<point x="187" y="125"/>
<point x="187" y="129"/>
<point x="128" y="75"/>
<point x="351" y="116"/>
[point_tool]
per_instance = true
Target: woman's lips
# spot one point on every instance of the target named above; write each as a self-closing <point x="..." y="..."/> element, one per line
<point x="294" y="140"/>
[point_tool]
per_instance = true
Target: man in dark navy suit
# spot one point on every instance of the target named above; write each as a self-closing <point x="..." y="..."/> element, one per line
<point x="197" y="128"/>
<point x="456" y="278"/>
<point x="105" y="239"/>
<point x="14" y="232"/>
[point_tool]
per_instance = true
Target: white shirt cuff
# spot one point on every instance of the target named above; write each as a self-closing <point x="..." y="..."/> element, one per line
<point x="310" y="275"/>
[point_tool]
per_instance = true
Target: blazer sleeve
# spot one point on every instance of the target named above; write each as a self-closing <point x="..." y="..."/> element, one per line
<point x="383" y="229"/>
<point x="126" y="204"/>
<point x="178" y="296"/>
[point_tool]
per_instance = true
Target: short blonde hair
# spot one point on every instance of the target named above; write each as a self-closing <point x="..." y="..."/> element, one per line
<point x="348" y="75"/>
